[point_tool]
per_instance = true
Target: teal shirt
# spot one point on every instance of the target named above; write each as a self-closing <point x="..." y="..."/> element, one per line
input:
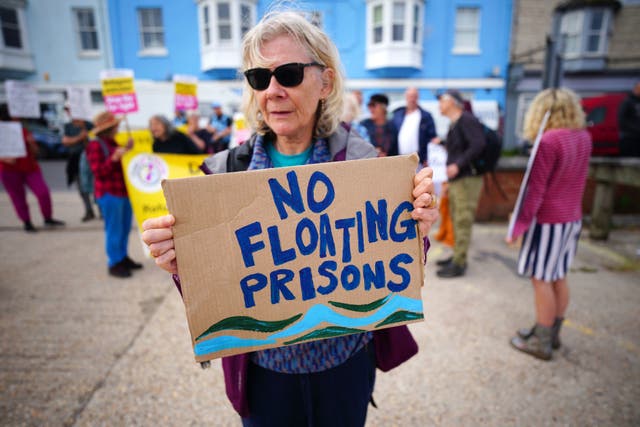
<point x="280" y="160"/>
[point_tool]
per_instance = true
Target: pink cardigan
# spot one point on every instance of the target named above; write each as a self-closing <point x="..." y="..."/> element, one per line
<point x="557" y="179"/>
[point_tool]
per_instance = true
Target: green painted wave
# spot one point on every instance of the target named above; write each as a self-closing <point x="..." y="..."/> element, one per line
<point x="246" y="323"/>
<point x="331" y="331"/>
<point x="361" y="307"/>
<point x="400" y="316"/>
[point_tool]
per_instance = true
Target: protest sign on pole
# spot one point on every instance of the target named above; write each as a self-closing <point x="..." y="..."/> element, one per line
<point x="12" y="140"/>
<point x="118" y="91"/>
<point x="525" y="180"/>
<point x="281" y="256"/>
<point x="186" y="92"/>
<point x="22" y="99"/>
<point x="79" y="102"/>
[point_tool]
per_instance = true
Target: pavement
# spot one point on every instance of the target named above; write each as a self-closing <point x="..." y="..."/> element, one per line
<point x="80" y="348"/>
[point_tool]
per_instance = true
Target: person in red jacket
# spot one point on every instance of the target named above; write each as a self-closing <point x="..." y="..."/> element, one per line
<point x="550" y="217"/>
<point x="20" y="172"/>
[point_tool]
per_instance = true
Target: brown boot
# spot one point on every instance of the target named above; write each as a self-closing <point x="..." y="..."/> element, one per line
<point x="537" y="345"/>
<point x="526" y="333"/>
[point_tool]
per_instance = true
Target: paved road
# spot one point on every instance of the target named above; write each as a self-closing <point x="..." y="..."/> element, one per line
<point x="79" y="348"/>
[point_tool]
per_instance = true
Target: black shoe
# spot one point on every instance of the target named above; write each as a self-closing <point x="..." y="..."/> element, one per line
<point x="443" y="262"/>
<point x="53" y="223"/>
<point x="131" y="264"/>
<point x="29" y="228"/>
<point x="120" y="270"/>
<point x="451" y="270"/>
<point x="88" y="217"/>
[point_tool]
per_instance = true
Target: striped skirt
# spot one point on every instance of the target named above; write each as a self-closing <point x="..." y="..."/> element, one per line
<point x="548" y="250"/>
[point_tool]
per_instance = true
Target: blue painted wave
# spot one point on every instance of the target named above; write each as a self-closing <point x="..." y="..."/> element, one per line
<point x="311" y="320"/>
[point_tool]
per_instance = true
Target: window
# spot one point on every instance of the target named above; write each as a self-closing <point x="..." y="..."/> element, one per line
<point x="224" y="22"/>
<point x="378" y="28"/>
<point x="585" y="32"/>
<point x="467" y="30"/>
<point x="151" y="31"/>
<point x="206" y="29"/>
<point x="87" y="31"/>
<point x="397" y="28"/>
<point x="222" y="25"/>
<point x="245" y="19"/>
<point x="11" y="34"/>
<point x="394" y="35"/>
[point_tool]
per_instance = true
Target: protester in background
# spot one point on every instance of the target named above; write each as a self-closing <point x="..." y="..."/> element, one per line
<point x="168" y="140"/>
<point x="292" y="66"/>
<point x="105" y="158"/>
<point x="551" y="214"/>
<point x="350" y="113"/>
<point x="200" y="136"/>
<point x="382" y="133"/>
<point x="415" y="127"/>
<point x="465" y="142"/>
<point x="76" y="138"/>
<point x="629" y="123"/>
<point x="180" y="118"/>
<point x="220" y="126"/>
<point x="20" y="172"/>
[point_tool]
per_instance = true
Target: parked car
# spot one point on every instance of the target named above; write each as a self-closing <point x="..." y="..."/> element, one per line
<point x="49" y="141"/>
<point x="602" y="123"/>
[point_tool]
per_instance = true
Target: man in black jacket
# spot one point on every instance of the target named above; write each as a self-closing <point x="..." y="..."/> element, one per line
<point x="629" y="123"/>
<point x="465" y="142"/>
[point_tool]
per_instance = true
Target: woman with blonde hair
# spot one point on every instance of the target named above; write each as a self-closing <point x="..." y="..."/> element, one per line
<point x="551" y="215"/>
<point x="294" y="100"/>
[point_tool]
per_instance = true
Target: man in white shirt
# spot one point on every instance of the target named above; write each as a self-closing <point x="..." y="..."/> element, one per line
<point x="416" y="127"/>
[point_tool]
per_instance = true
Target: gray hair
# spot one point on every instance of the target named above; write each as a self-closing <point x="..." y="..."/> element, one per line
<point x="319" y="48"/>
<point x="168" y="126"/>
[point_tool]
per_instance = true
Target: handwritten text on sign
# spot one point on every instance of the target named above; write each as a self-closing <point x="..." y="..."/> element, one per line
<point x="282" y="256"/>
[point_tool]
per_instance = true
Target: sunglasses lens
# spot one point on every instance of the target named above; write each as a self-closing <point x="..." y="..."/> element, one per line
<point x="258" y="78"/>
<point x="289" y="75"/>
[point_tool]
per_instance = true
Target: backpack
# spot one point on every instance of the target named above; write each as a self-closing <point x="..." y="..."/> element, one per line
<point x="488" y="159"/>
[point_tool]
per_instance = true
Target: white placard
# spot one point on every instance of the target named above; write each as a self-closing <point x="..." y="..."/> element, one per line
<point x="525" y="179"/>
<point x="79" y="99"/>
<point x="11" y="140"/>
<point x="22" y="98"/>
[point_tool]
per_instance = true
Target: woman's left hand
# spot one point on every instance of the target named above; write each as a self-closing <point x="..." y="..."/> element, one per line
<point x="425" y="206"/>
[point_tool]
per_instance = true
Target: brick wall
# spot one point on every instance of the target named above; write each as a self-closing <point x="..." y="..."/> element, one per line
<point x="492" y="206"/>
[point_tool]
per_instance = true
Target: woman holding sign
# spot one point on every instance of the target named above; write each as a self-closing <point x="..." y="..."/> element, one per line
<point x="293" y="98"/>
<point x="551" y="213"/>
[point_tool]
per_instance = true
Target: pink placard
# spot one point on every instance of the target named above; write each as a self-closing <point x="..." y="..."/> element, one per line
<point x="121" y="104"/>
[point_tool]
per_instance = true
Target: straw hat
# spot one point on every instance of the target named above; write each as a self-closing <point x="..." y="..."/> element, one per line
<point x="104" y="121"/>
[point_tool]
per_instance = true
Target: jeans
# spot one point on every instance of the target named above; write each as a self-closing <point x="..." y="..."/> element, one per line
<point x="117" y="214"/>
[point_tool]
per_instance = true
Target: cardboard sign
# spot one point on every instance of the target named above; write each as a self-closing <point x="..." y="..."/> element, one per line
<point x="118" y="91"/>
<point x="186" y="97"/>
<point x="281" y="256"/>
<point x="79" y="99"/>
<point x="11" y="140"/>
<point x="22" y="99"/>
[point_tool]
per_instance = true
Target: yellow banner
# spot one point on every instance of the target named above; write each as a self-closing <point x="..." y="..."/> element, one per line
<point x="144" y="172"/>
<point x="186" y="88"/>
<point x="117" y="86"/>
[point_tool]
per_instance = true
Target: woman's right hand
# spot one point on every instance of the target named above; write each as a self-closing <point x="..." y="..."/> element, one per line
<point x="158" y="235"/>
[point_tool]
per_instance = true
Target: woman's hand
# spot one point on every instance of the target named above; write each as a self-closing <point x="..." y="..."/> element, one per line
<point x="158" y="236"/>
<point x="425" y="206"/>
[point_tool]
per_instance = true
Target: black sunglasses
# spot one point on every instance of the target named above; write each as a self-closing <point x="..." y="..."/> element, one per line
<point x="288" y="75"/>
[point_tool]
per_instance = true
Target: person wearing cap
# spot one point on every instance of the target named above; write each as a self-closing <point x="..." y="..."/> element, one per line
<point x="105" y="159"/>
<point x="415" y="127"/>
<point x="382" y="133"/>
<point x="220" y="126"/>
<point x="465" y="142"/>
<point x="76" y="138"/>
